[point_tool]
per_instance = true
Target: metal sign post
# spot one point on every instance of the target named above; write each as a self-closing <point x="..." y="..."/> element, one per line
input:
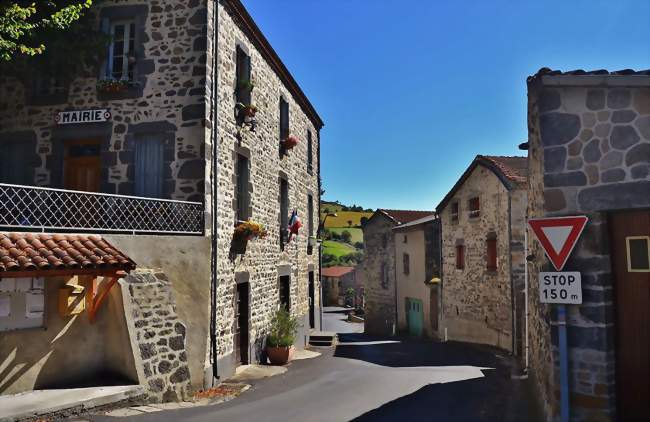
<point x="558" y="237"/>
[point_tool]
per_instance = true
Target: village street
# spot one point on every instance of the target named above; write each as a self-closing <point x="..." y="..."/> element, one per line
<point x="375" y="379"/>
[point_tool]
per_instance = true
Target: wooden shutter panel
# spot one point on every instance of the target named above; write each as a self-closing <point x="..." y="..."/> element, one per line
<point x="149" y="152"/>
<point x="491" y="254"/>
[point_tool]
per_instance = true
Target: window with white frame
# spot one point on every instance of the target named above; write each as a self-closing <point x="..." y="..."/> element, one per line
<point x="22" y="303"/>
<point x="121" y="53"/>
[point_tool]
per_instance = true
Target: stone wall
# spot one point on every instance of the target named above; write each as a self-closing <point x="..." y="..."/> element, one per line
<point x="264" y="260"/>
<point x="379" y="285"/>
<point x="169" y="102"/>
<point x="589" y="152"/>
<point x="158" y="336"/>
<point x="476" y="302"/>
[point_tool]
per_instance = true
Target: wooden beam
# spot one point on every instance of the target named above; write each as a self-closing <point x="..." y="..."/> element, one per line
<point x="95" y="302"/>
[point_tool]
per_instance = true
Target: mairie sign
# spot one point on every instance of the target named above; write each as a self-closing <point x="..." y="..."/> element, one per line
<point x="82" y="116"/>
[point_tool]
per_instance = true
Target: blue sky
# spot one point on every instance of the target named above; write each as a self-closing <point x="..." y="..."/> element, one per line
<point x="410" y="92"/>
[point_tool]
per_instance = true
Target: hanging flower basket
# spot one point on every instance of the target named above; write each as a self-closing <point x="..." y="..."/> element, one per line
<point x="114" y="85"/>
<point x="247" y="110"/>
<point x="245" y="231"/>
<point x="290" y="142"/>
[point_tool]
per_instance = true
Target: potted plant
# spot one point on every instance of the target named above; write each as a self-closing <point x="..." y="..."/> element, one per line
<point x="279" y="343"/>
<point x="113" y="86"/>
<point x="247" y="110"/>
<point x="246" y="86"/>
<point x="245" y="231"/>
<point x="290" y="142"/>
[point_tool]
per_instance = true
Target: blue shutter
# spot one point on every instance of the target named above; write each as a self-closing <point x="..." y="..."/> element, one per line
<point x="14" y="168"/>
<point x="149" y="151"/>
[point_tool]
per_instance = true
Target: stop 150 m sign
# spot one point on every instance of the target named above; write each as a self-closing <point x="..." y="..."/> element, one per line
<point x="560" y="287"/>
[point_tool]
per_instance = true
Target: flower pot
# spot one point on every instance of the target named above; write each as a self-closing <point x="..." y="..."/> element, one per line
<point x="280" y="355"/>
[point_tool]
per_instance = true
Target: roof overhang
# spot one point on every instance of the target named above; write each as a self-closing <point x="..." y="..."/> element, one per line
<point x="416" y="222"/>
<point x="596" y="80"/>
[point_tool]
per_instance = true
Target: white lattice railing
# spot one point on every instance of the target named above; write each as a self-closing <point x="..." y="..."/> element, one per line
<point x="45" y="209"/>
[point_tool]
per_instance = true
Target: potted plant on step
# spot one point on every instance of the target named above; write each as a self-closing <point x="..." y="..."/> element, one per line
<point x="279" y="343"/>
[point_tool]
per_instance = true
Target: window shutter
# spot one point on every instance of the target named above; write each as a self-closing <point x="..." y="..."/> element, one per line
<point x="491" y="254"/>
<point x="105" y="27"/>
<point x="149" y="167"/>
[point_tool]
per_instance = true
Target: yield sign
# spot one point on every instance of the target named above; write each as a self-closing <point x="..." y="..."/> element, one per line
<point x="558" y="236"/>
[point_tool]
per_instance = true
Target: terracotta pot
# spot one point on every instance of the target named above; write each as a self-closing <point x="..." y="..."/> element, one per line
<point x="279" y="355"/>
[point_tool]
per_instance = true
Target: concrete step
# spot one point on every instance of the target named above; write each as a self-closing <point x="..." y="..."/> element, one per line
<point x="65" y="402"/>
<point x="322" y="339"/>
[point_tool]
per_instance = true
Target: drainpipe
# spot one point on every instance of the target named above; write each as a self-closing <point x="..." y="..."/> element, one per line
<point x="213" y="187"/>
<point x="526" y="293"/>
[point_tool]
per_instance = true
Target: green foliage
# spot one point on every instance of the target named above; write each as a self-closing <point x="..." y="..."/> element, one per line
<point x="346" y="236"/>
<point x="284" y="328"/>
<point x="25" y="26"/>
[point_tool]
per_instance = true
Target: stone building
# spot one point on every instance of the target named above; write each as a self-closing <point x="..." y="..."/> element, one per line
<point x="589" y="154"/>
<point x="336" y="281"/>
<point x="483" y="224"/>
<point x="379" y="266"/>
<point x="417" y="257"/>
<point x="161" y="151"/>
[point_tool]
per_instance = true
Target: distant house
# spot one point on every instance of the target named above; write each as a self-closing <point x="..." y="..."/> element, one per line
<point x="379" y="268"/>
<point x="417" y="252"/>
<point x="483" y="223"/>
<point x="336" y="281"/>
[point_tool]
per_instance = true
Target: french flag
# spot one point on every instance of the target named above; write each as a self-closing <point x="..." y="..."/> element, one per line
<point x="294" y="224"/>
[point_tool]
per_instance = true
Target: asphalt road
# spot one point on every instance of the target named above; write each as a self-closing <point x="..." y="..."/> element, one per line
<point x="378" y="379"/>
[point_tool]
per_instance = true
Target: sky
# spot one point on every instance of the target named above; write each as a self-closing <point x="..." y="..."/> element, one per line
<point x="411" y="91"/>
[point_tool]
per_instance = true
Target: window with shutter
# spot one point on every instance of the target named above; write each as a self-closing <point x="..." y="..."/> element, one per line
<point x="491" y="255"/>
<point x="406" y="264"/>
<point x="310" y="158"/>
<point x="243" y="75"/>
<point x="460" y="257"/>
<point x="243" y="195"/>
<point x="14" y="167"/>
<point x="284" y="212"/>
<point x="149" y="175"/>
<point x="284" y="119"/>
<point x="474" y="207"/>
<point x="121" y="51"/>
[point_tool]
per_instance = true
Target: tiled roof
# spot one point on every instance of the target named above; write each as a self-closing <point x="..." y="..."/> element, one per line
<point x="579" y="72"/>
<point x="405" y="216"/>
<point x="336" y="271"/>
<point x="45" y="252"/>
<point x="513" y="168"/>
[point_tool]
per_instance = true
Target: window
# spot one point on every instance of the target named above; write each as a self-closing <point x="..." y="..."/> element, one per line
<point x="474" y="207"/>
<point x="406" y="263"/>
<point x="491" y="254"/>
<point x="310" y="158"/>
<point x="284" y="119"/>
<point x="14" y="167"/>
<point x="242" y="193"/>
<point x="22" y="303"/>
<point x="406" y="239"/>
<point x="48" y="85"/>
<point x="121" y="53"/>
<point x="310" y="215"/>
<point x="460" y="257"/>
<point x="284" y="212"/>
<point x="638" y="254"/>
<point x="285" y="292"/>
<point x="454" y="212"/>
<point x="384" y="276"/>
<point x="149" y="175"/>
<point x="243" y="75"/>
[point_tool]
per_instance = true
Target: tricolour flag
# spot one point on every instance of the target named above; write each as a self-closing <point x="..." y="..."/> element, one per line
<point x="294" y="224"/>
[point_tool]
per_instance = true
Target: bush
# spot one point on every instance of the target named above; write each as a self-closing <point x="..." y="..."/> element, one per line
<point x="358" y="245"/>
<point x="346" y="236"/>
<point x="284" y="328"/>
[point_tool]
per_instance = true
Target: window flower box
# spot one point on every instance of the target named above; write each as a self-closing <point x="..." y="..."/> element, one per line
<point x="244" y="232"/>
<point x="114" y="86"/>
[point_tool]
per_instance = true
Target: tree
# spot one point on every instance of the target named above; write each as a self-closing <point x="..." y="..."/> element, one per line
<point x="25" y="26"/>
<point x="358" y="245"/>
<point x="363" y="220"/>
<point x="349" y="223"/>
<point x="346" y="236"/>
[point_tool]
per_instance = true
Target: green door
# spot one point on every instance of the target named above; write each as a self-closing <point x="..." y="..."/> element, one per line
<point x="415" y="316"/>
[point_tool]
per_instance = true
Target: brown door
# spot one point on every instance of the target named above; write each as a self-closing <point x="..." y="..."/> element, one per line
<point x="630" y="235"/>
<point x="241" y="323"/>
<point x="82" y="165"/>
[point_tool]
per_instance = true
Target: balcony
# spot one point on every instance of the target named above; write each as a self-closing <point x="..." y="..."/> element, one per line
<point x="30" y="208"/>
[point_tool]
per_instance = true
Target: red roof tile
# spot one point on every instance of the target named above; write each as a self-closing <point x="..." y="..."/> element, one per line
<point x="45" y="252"/>
<point x="514" y="168"/>
<point x="336" y="271"/>
<point x="406" y="216"/>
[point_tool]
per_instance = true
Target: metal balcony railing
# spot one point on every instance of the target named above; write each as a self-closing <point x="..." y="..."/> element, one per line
<point x="45" y="209"/>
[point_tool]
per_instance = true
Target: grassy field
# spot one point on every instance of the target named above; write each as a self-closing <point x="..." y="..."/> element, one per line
<point x="337" y="249"/>
<point x="357" y="234"/>
<point x="344" y="217"/>
<point x="331" y="206"/>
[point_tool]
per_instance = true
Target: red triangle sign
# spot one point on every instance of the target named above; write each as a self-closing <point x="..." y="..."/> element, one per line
<point x="558" y="236"/>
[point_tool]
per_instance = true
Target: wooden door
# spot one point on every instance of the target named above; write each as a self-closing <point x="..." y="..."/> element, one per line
<point x="312" y="295"/>
<point x="241" y="323"/>
<point x="630" y="250"/>
<point x="82" y="166"/>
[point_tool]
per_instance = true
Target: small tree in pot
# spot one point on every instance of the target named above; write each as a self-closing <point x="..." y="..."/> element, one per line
<point x="279" y="343"/>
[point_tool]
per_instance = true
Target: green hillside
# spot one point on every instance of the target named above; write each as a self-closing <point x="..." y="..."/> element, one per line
<point x="337" y="249"/>
<point x="343" y="217"/>
<point x="357" y="234"/>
